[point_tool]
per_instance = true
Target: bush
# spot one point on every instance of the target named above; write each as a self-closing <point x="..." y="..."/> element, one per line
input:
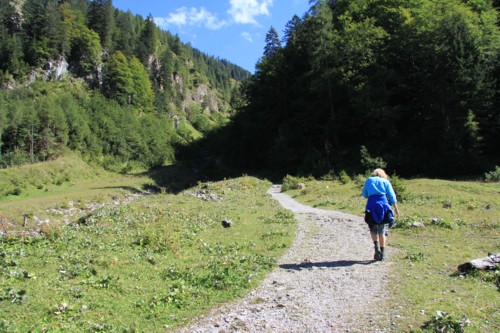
<point x="371" y="163"/>
<point x="443" y="223"/>
<point x="17" y="191"/>
<point x="443" y="322"/>
<point x="399" y="188"/>
<point x="359" y="180"/>
<point x="329" y="176"/>
<point x="493" y="176"/>
<point x="290" y="183"/>
<point x="344" y="177"/>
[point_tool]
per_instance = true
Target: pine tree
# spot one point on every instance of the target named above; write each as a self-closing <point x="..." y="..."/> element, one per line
<point x="148" y="42"/>
<point x="273" y="43"/>
<point x="117" y="82"/>
<point x="101" y="20"/>
<point x="142" y="96"/>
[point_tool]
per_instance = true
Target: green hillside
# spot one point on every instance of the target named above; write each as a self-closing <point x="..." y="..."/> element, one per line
<point x="110" y="85"/>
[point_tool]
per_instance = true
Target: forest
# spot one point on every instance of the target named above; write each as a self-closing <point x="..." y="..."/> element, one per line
<point x="409" y="85"/>
<point x="84" y="76"/>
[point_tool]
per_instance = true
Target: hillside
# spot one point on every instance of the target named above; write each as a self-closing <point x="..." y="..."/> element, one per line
<point x="66" y="64"/>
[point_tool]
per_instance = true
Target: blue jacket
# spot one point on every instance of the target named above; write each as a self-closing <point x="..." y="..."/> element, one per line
<point x="381" y="197"/>
<point x="379" y="208"/>
<point x="378" y="186"/>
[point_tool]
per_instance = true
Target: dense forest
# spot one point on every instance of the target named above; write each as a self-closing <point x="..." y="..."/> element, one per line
<point x="411" y="85"/>
<point x="82" y="75"/>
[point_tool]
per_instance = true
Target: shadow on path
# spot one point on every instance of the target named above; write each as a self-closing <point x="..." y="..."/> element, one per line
<point x="327" y="264"/>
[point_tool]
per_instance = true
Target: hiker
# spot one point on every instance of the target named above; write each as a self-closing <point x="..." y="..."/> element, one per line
<point x="381" y="197"/>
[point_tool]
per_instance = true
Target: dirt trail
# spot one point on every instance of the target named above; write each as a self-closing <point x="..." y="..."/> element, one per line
<point x="326" y="282"/>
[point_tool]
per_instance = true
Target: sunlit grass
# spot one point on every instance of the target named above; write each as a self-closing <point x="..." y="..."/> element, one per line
<point x="149" y="265"/>
<point x="33" y="190"/>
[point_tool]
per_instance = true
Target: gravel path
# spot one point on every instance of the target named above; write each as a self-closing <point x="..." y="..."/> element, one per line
<point x="326" y="282"/>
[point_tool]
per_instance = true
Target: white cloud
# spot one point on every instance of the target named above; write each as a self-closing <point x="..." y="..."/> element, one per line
<point x="245" y="11"/>
<point x="247" y="36"/>
<point x="191" y="16"/>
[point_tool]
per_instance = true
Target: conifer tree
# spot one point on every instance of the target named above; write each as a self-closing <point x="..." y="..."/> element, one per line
<point x="273" y="43"/>
<point x="142" y="95"/>
<point x="148" y="42"/>
<point x="117" y="82"/>
<point x="101" y="20"/>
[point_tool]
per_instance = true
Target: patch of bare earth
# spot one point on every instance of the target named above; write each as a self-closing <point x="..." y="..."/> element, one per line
<point x="326" y="282"/>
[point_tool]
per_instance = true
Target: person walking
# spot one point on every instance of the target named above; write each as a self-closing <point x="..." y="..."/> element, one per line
<point x="379" y="212"/>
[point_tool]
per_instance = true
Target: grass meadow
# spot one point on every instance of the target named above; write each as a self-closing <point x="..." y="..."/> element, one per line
<point x="155" y="263"/>
<point x="146" y="266"/>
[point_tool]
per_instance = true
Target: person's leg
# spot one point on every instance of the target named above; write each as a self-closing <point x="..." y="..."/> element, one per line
<point x="375" y="239"/>
<point x="383" y="242"/>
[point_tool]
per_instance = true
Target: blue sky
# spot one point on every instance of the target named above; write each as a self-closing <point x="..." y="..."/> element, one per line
<point x="234" y="30"/>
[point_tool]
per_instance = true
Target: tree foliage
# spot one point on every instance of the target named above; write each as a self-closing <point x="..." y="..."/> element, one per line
<point x="413" y="82"/>
<point x="100" y="19"/>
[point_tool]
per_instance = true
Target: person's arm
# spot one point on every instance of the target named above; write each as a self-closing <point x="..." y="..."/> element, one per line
<point x="396" y="209"/>
<point x="364" y="191"/>
<point x="390" y="193"/>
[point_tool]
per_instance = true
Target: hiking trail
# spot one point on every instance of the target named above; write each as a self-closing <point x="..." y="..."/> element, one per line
<point x="326" y="282"/>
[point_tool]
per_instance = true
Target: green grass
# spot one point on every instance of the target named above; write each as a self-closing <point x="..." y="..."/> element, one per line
<point x="35" y="189"/>
<point x="148" y="266"/>
<point x="155" y="263"/>
<point x="425" y="278"/>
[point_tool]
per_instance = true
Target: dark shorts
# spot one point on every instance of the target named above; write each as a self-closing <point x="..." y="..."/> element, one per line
<point x="377" y="228"/>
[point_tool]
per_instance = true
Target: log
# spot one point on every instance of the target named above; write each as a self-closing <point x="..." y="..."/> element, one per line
<point x="487" y="263"/>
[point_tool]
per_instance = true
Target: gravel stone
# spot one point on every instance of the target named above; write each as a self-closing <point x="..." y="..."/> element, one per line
<point x="326" y="282"/>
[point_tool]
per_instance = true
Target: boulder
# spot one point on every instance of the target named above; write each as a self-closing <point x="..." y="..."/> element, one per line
<point x="487" y="263"/>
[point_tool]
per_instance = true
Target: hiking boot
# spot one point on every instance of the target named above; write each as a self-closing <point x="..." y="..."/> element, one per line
<point x="377" y="255"/>
<point x="382" y="254"/>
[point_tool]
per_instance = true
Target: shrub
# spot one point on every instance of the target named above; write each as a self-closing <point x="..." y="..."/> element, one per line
<point x="344" y="177"/>
<point x="443" y="322"/>
<point x="16" y="191"/>
<point x="290" y="183"/>
<point x="371" y="163"/>
<point x="493" y="176"/>
<point x="443" y="223"/>
<point x="407" y="221"/>
<point x="329" y="176"/>
<point x="399" y="188"/>
<point x="359" y="180"/>
<point x="416" y="257"/>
